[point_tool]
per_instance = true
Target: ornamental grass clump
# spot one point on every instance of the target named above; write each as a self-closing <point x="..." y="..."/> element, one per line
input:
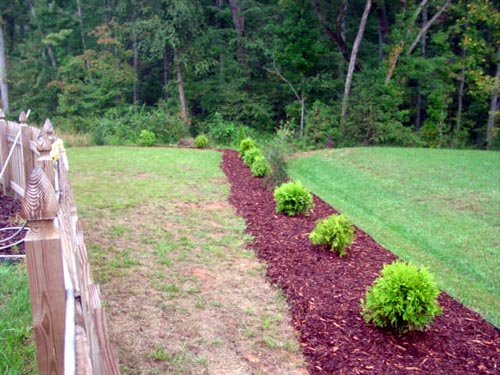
<point x="336" y="231"/>
<point x="402" y="299"/>
<point x="201" y="141"/>
<point x="293" y="199"/>
<point x="260" y="167"/>
<point x="246" y="144"/>
<point x="250" y="155"/>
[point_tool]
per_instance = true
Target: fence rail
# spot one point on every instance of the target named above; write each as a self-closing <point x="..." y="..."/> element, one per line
<point x="69" y="322"/>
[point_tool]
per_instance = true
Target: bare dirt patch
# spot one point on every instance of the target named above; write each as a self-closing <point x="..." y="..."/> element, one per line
<point x="189" y="298"/>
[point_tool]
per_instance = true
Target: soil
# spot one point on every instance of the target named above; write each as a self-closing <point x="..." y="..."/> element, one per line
<point x="324" y="292"/>
<point x="9" y="213"/>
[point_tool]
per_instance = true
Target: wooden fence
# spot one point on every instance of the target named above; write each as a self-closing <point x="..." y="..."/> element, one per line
<point x="68" y="320"/>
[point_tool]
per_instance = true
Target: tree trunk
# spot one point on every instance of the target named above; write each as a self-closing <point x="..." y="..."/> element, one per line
<point x="352" y="63"/>
<point x="180" y="86"/>
<point x="418" y="110"/>
<point x="239" y="26"/>
<point x="461" y="86"/>
<point x="80" y="22"/>
<point x="426" y="27"/>
<point x="135" y="64"/>
<point x="166" y="68"/>
<point x="494" y="106"/>
<point x="338" y="35"/>
<point x="383" y="27"/>
<point x="398" y="49"/>
<point x="4" y="88"/>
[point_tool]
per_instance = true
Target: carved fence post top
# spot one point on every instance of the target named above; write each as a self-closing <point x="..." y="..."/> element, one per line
<point x="2" y="114"/>
<point x="45" y="137"/>
<point x="23" y="119"/>
<point x="40" y="200"/>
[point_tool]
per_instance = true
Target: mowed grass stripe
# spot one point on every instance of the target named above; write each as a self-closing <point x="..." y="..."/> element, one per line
<point x="438" y="208"/>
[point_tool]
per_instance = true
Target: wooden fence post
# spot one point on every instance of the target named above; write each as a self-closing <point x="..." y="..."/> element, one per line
<point x="45" y="272"/>
<point x="4" y="149"/>
<point x="26" y="133"/>
<point x="45" y="139"/>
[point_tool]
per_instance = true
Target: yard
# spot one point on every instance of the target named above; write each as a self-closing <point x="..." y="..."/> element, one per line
<point x="183" y="277"/>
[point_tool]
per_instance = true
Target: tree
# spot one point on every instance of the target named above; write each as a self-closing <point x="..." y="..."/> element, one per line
<point x="352" y="63"/>
<point x="4" y="88"/>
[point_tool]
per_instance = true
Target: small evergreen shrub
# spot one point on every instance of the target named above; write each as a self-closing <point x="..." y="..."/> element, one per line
<point x="403" y="298"/>
<point x="250" y="155"/>
<point x="293" y="199"/>
<point x="146" y="138"/>
<point x="335" y="231"/>
<point x="246" y="144"/>
<point x="201" y="141"/>
<point x="260" y="166"/>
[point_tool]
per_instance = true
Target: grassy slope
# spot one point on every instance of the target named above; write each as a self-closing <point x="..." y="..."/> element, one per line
<point x="437" y="208"/>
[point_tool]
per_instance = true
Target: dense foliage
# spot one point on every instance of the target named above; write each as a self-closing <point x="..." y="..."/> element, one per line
<point x="426" y="73"/>
<point x="403" y="298"/>
<point x="335" y="231"/>
<point x="293" y="199"/>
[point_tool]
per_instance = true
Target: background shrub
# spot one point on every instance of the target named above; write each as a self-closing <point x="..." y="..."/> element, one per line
<point x="260" y="167"/>
<point x="293" y="199"/>
<point x="246" y="144"/>
<point x="403" y="298"/>
<point x="201" y="141"/>
<point x="220" y="131"/>
<point x="146" y="138"/>
<point x="335" y="231"/>
<point x="250" y="155"/>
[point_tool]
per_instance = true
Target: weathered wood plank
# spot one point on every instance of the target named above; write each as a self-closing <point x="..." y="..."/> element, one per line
<point x="45" y="272"/>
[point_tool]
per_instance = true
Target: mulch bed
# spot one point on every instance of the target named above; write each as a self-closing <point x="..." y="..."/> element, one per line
<point x="324" y="291"/>
<point x="9" y="208"/>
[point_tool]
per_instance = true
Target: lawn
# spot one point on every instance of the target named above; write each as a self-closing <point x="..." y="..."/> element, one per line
<point x="183" y="293"/>
<point x="17" y="349"/>
<point x="437" y="208"/>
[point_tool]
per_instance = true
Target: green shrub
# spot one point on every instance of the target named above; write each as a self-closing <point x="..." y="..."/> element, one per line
<point x="201" y="141"/>
<point x="221" y="131"/>
<point x="250" y="155"/>
<point x="146" y="138"/>
<point x="293" y="199"/>
<point x="260" y="166"/>
<point x="246" y="144"/>
<point x="403" y="298"/>
<point x="335" y="231"/>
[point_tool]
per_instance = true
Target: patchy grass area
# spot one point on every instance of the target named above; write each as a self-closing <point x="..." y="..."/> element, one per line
<point x="438" y="208"/>
<point x="183" y="295"/>
<point x="17" y="349"/>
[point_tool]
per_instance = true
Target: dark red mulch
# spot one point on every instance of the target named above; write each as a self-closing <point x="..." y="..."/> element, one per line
<point x="9" y="208"/>
<point x="324" y="291"/>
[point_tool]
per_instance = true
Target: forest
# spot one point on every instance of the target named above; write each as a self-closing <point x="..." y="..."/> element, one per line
<point x="334" y="73"/>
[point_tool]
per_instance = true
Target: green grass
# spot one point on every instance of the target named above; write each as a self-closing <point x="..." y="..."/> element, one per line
<point x="17" y="350"/>
<point x="437" y="208"/>
<point x="169" y="254"/>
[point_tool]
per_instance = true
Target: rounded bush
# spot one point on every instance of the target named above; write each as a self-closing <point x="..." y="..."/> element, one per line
<point x="402" y="299"/>
<point x="260" y="167"/>
<point x="201" y="141"/>
<point x="293" y="199"/>
<point x="246" y="144"/>
<point x="335" y="231"/>
<point x="250" y="155"/>
<point x="146" y="138"/>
